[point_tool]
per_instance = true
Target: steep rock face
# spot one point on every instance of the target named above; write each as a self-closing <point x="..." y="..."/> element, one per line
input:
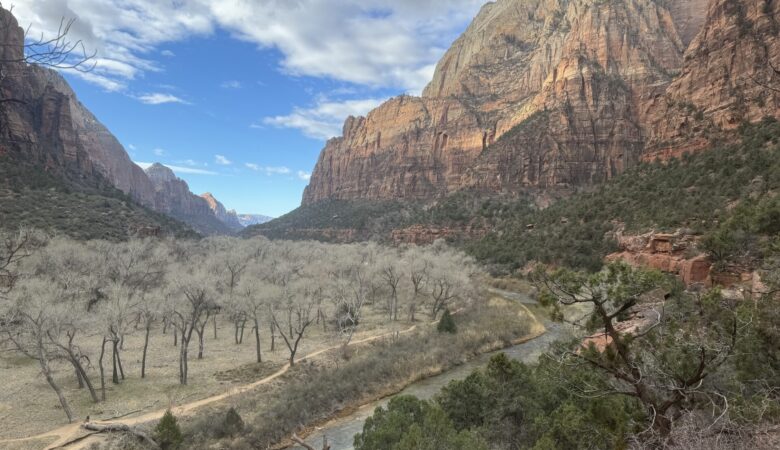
<point x="43" y="121"/>
<point x="557" y="93"/>
<point x="173" y="197"/>
<point x="229" y="218"/>
<point x="728" y="78"/>
<point x="580" y="63"/>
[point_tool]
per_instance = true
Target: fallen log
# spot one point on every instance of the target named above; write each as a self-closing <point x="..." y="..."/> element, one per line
<point x="120" y="428"/>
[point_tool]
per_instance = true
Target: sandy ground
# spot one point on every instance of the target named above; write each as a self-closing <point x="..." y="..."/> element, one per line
<point x="29" y="407"/>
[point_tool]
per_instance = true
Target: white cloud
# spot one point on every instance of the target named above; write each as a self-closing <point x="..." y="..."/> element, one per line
<point x="305" y="176"/>
<point x="159" y="151"/>
<point x="232" y="84"/>
<point x="131" y="146"/>
<point x="222" y="161"/>
<point x="160" y="99"/>
<point x="325" y="119"/>
<point x="168" y="53"/>
<point x="268" y="170"/>
<point x="387" y="43"/>
<point x="178" y="169"/>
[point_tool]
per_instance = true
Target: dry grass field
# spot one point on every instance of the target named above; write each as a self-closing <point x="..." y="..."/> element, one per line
<point x="29" y="407"/>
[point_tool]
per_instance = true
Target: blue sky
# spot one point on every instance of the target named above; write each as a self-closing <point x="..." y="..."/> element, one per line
<point x="239" y="96"/>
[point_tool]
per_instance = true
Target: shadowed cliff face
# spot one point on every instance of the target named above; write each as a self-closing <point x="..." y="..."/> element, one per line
<point x="42" y="122"/>
<point x="540" y="93"/>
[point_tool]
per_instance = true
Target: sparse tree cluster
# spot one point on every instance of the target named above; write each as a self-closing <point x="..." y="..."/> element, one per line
<point x="62" y="297"/>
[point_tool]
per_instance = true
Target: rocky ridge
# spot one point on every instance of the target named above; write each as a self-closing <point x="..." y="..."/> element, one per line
<point x="559" y="93"/>
<point x="43" y="123"/>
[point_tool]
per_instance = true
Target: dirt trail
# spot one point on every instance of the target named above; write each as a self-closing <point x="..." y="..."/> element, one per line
<point x="68" y="435"/>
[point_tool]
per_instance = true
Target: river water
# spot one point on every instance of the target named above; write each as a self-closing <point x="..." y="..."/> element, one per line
<point x="341" y="432"/>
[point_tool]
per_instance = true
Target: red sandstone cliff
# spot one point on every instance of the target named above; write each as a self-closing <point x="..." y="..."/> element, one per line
<point x="549" y="93"/>
<point x="42" y="122"/>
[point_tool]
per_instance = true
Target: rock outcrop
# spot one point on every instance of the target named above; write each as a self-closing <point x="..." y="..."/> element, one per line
<point x="43" y="123"/>
<point x="173" y="197"/>
<point x="229" y="218"/>
<point x="670" y="253"/>
<point x="556" y="93"/>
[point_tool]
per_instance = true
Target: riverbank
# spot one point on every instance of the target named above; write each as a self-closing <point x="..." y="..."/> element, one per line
<point x="318" y="391"/>
<point x="351" y="410"/>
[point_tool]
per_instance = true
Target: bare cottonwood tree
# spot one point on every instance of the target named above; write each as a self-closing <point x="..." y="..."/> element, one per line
<point x="190" y="301"/>
<point x="36" y="318"/>
<point x="256" y="296"/>
<point x="292" y="314"/>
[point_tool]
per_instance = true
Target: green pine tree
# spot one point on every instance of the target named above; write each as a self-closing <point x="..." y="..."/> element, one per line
<point x="167" y="432"/>
<point x="447" y="324"/>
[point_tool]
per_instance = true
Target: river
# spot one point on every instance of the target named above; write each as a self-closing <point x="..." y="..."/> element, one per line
<point x="341" y="432"/>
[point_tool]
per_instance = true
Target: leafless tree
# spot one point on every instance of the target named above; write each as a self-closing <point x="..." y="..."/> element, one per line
<point x="292" y="315"/>
<point x="36" y="316"/>
<point x="189" y="302"/>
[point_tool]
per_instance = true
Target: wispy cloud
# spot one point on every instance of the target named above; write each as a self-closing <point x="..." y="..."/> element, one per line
<point x="305" y="176"/>
<point x="167" y="53"/>
<point x="324" y="120"/>
<point x="160" y="98"/>
<point x="159" y="152"/>
<point x="178" y="169"/>
<point x="268" y="170"/>
<point x="222" y="160"/>
<point x="232" y="84"/>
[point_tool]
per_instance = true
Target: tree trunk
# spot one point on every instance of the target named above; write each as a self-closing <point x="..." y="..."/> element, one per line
<point x="146" y="345"/>
<point x="257" y="340"/>
<point x="183" y="363"/>
<point x="119" y="363"/>
<point x="200" y="344"/>
<point x="47" y="373"/>
<point x="83" y="377"/>
<point x="241" y="335"/>
<point x="215" y="327"/>
<point x="102" y="373"/>
<point x="78" y="374"/>
<point x="273" y="337"/>
<point x="235" y="332"/>
<point x="114" y="373"/>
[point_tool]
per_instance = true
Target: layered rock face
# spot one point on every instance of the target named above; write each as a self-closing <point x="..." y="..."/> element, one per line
<point x="42" y="122"/>
<point x="549" y="93"/>
<point x="229" y="218"/>
<point x="173" y="197"/>
<point x="728" y="78"/>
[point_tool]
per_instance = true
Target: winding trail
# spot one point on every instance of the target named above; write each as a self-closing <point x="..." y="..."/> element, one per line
<point x="71" y="436"/>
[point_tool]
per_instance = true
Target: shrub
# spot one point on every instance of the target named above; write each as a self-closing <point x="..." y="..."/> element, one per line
<point x="447" y="323"/>
<point x="167" y="432"/>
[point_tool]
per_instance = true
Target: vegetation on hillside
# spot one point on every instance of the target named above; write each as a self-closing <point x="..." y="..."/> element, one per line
<point x="698" y="371"/>
<point x="82" y="209"/>
<point x="727" y="193"/>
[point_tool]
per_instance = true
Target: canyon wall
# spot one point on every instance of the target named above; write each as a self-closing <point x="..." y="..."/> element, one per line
<point x="43" y="123"/>
<point x="559" y="93"/>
